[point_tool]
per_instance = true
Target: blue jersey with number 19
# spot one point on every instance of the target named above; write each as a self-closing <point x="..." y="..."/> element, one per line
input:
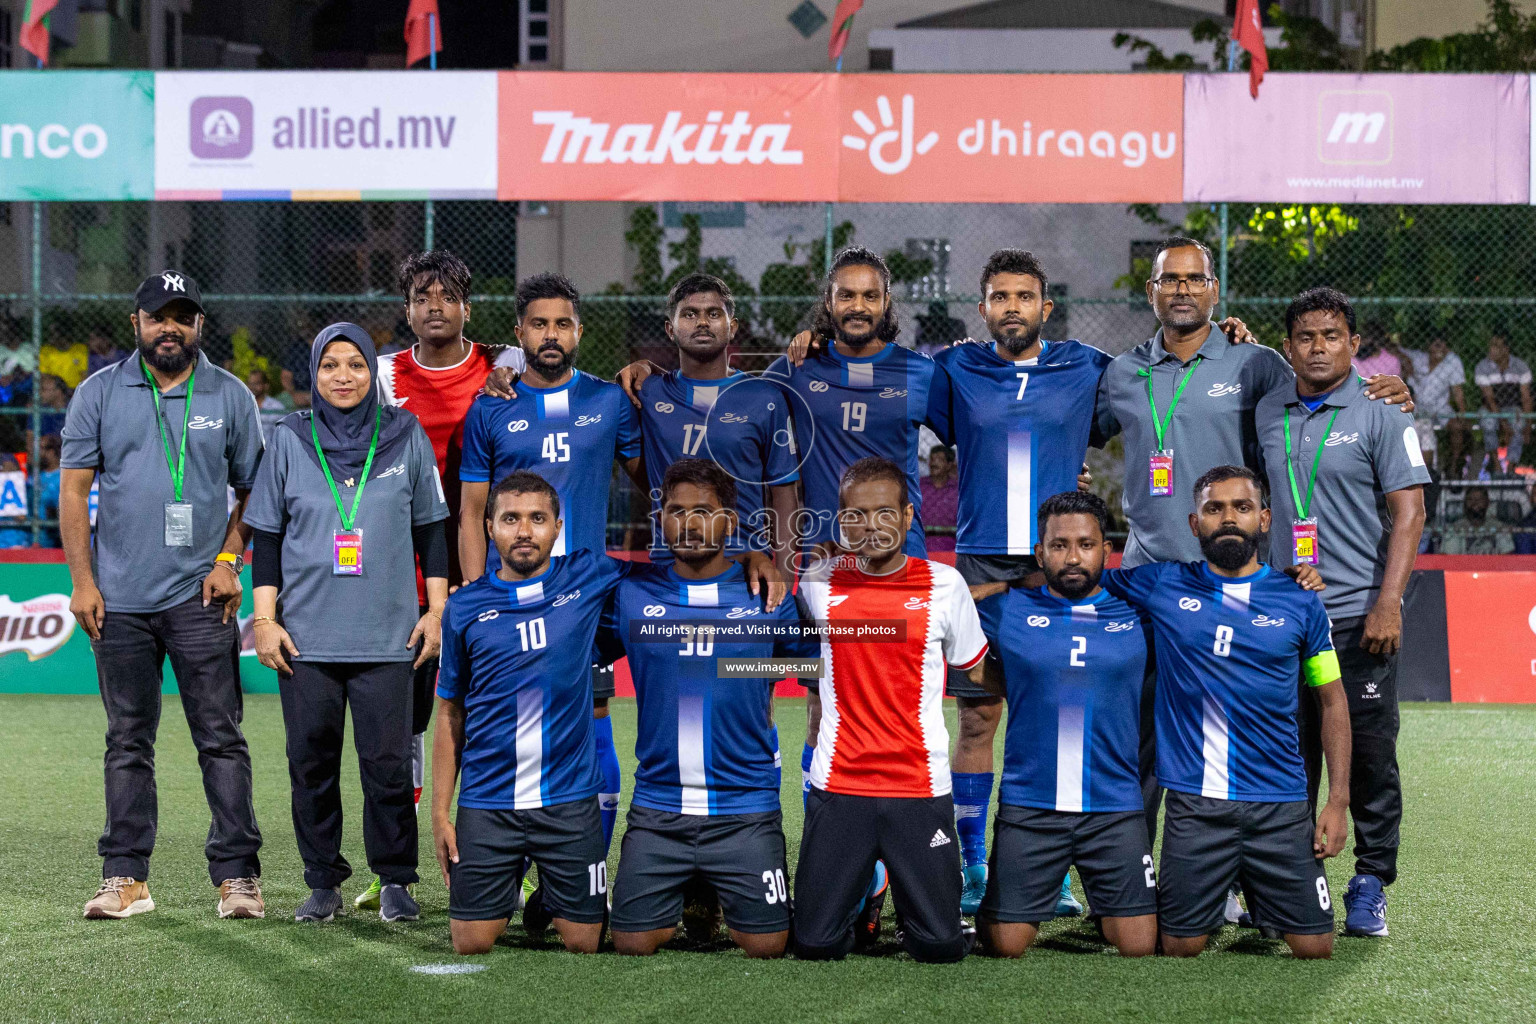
<point x="1021" y="430"/>
<point x="1074" y="673"/>
<point x="570" y="436"/>
<point x="519" y="655"/>
<point x="1229" y="654"/>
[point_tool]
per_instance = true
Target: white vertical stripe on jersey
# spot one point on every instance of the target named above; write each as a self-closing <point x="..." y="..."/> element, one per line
<point x="1021" y="503"/>
<point x="1069" y="758"/>
<point x="531" y="593"/>
<point x="1085" y="613"/>
<point x="690" y="754"/>
<point x="559" y="548"/>
<point x="1235" y="596"/>
<point x="703" y="595"/>
<point x="704" y="396"/>
<point x="527" y="792"/>
<point x="931" y="713"/>
<point x="557" y="405"/>
<point x="1217" y="783"/>
<point x="861" y="375"/>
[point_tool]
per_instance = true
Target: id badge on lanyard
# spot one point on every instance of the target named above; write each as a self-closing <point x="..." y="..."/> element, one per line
<point x="1160" y="462"/>
<point x="1304" y="541"/>
<point x="347" y="542"/>
<point x="1160" y="467"/>
<point x="178" y="524"/>
<point x="348" y="560"/>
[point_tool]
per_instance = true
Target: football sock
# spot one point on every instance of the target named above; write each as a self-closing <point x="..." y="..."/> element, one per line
<point x="805" y="774"/>
<point x="418" y="765"/>
<point x="608" y="764"/>
<point x="973" y="795"/>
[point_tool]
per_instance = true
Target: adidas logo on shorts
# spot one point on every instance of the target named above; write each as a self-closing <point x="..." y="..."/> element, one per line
<point x="939" y="839"/>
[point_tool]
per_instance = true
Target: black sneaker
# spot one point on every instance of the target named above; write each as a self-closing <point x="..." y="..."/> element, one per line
<point x="322" y="906"/>
<point x="866" y="926"/>
<point x="536" y="919"/>
<point x="397" y="904"/>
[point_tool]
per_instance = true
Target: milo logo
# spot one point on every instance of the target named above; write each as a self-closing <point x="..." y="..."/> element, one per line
<point x="39" y="626"/>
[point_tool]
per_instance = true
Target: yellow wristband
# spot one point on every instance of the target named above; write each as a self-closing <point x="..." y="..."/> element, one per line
<point x="225" y="556"/>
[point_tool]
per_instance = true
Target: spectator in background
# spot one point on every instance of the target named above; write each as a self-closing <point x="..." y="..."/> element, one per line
<point x="102" y="351"/>
<point x="1374" y="357"/>
<point x="13" y="532"/>
<point x="53" y="396"/>
<point x="1474" y="533"/>
<point x="1505" y="381"/>
<point x="69" y="363"/>
<point x="49" y="450"/>
<point x="1525" y="531"/>
<point x="17" y="361"/>
<point x="941" y="499"/>
<point x="1438" y="381"/>
<point x="271" y="409"/>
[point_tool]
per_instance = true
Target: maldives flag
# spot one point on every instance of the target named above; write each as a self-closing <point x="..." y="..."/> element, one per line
<point x="1248" y="33"/>
<point x="422" y="39"/>
<point x="842" y="25"/>
<point x="33" y="36"/>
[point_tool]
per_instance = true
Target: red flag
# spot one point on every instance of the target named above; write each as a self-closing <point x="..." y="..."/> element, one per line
<point x="842" y="25"/>
<point x="422" y="39"/>
<point x="1248" y="33"/>
<point x="33" y="36"/>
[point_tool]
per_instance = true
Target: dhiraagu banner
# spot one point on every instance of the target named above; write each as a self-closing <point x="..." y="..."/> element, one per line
<point x="77" y="135"/>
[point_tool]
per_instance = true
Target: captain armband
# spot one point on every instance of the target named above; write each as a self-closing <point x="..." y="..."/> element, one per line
<point x="1322" y="668"/>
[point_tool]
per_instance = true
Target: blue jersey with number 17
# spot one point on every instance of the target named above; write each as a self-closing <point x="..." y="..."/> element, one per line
<point x="857" y="408"/>
<point x="570" y="436"/>
<point x="1021" y="430"/>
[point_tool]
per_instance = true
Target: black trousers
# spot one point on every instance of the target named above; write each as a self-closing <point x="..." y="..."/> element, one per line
<point x="204" y="655"/>
<point x="1375" y="787"/>
<point x="315" y="700"/>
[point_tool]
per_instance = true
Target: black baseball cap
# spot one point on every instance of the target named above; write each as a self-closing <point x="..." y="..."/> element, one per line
<point x="164" y="287"/>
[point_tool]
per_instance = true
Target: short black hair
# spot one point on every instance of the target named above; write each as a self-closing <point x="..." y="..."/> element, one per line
<point x="1185" y="242"/>
<point x="946" y="451"/>
<point x="874" y="468"/>
<point x="522" y="481"/>
<point x="822" y="325"/>
<point x="1072" y="503"/>
<point x="700" y="473"/>
<point x="1319" y="300"/>
<point x="698" y="284"/>
<point x="547" y="286"/>
<point x="1220" y="474"/>
<point x="1013" y="261"/>
<point x="440" y="267"/>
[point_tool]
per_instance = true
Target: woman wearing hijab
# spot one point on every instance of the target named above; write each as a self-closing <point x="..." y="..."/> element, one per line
<point x="346" y="500"/>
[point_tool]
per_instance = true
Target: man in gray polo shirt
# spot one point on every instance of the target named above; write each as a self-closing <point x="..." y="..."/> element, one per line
<point x="167" y="433"/>
<point x="1346" y="481"/>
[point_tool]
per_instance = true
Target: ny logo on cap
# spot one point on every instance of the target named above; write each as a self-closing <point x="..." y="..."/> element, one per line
<point x="173" y="282"/>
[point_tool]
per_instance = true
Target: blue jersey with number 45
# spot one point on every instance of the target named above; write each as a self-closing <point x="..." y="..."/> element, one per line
<point x="1074" y="674"/>
<point x="1021" y="430"/>
<point x="706" y="745"/>
<point x="570" y="436"/>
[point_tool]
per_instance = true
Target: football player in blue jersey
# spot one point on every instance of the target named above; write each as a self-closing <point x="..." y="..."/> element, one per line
<point x="1072" y="661"/>
<point x="571" y="428"/>
<point x="706" y="801"/>
<point x="1232" y="636"/>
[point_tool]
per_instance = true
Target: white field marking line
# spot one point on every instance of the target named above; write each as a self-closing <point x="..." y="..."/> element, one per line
<point x="447" y="968"/>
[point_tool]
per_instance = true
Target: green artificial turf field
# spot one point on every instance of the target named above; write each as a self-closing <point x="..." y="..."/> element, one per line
<point x="1462" y="945"/>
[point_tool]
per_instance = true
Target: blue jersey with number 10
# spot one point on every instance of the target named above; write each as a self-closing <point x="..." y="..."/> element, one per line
<point x="1021" y="430"/>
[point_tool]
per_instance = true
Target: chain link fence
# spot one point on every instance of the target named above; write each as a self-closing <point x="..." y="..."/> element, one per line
<point x="274" y="273"/>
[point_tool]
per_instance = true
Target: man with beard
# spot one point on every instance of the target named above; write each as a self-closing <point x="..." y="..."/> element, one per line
<point x="1348" y="482"/>
<point x="1020" y="411"/>
<point x="168" y="433"/>
<point x="1232" y="637"/>
<point x="570" y="428"/>
<point x="706" y="801"/>
<point x="1073" y="658"/>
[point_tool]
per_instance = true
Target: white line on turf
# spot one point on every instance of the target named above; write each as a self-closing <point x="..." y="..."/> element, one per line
<point x="447" y="968"/>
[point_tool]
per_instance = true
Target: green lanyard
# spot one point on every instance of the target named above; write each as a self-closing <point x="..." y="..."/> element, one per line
<point x="1159" y="426"/>
<point x="1317" y="458"/>
<point x="178" y="465"/>
<point x="348" y="518"/>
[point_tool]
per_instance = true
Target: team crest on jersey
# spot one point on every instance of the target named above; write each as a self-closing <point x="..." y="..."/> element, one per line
<point x="398" y="469"/>
<point x="664" y="407"/>
<point x="893" y="393"/>
<point x="654" y="611"/>
<point x="517" y="425"/>
<point x="1265" y="620"/>
<point x="587" y="419"/>
<point x="1038" y="621"/>
<point x="204" y="423"/>
<point x="915" y="604"/>
<point x="1338" y="437"/>
<point x="836" y="599"/>
<point x="1119" y="627"/>
<point x="733" y="417"/>
<point x="567" y="598"/>
<point x="1222" y="389"/>
<point x="487" y="616"/>
<point x="819" y="386"/>
<point x="1189" y="604"/>
<point x="740" y="613"/>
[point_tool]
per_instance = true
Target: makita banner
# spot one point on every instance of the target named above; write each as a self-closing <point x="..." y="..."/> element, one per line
<point x="668" y="136"/>
<point x="1375" y="138"/>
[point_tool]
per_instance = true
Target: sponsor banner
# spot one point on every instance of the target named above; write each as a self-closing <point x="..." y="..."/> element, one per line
<point x="13" y="496"/>
<point x="648" y="137"/>
<point x="1491" y="627"/>
<point x="325" y="135"/>
<point x="1378" y="138"/>
<point x="77" y="135"/>
<point x="1011" y="138"/>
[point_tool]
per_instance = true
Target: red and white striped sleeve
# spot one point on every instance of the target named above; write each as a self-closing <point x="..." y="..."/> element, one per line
<point x="964" y="642"/>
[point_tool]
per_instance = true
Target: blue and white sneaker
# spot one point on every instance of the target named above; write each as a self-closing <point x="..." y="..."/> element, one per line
<point x="974" y="888"/>
<point x="1066" y="903"/>
<point x="866" y="924"/>
<point x="1365" y="907"/>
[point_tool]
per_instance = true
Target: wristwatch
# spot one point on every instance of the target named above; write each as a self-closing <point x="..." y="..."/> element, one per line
<point x="235" y="562"/>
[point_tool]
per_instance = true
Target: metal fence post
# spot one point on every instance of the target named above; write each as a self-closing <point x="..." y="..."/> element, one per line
<point x="1221" y="271"/>
<point x="826" y="257"/>
<point x="34" y="467"/>
<point x="429" y="226"/>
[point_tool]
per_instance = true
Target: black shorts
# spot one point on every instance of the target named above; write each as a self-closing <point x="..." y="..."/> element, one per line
<point x="741" y="855"/>
<point x="976" y="569"/>
<point x="844" y="836"/>
<point x="602" y="683"/>
<point x="565" y="841"/>
<point x="1209" y="844"/>
<point x="1032" y="849"/>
